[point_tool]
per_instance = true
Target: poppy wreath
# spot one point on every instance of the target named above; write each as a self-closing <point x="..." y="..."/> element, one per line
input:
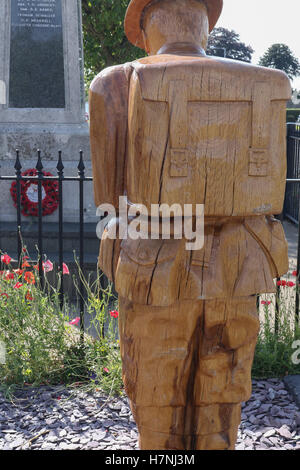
<point x="29" y="194"/>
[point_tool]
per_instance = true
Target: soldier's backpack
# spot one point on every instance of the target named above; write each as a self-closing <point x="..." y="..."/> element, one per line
<point x="207" y="131"/>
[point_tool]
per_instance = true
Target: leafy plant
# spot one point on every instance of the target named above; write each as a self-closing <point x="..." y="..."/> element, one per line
<point x="274" y="350"/>
<point x="104" y="40"/>
<point x="43" y="344"/>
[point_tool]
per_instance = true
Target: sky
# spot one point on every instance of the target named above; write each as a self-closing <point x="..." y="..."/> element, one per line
<point x="261" y="23"/>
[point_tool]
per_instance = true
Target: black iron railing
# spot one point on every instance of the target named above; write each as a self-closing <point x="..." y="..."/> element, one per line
<point x="39" y="179"/>
<point x="292" y="195"/>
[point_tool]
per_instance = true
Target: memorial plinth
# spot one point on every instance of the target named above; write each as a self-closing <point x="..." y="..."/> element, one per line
<point x="42" y="103"/>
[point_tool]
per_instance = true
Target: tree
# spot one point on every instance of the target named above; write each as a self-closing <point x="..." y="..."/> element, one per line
<point x="296" y="97"/>
<point x="104" y="40"/>
<point x="280" y="56"/>
<point x="226" y="43"/>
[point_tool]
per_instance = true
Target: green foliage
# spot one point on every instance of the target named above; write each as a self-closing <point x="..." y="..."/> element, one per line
<point x="274" y="351"/>
<point x="33" y="332"/>
<point x="280" y="56"/>
<point x="225" y="43"/>
<point x="42" y="347"/>
<point x="292" y="114"/>
<point x="104" y="40"/>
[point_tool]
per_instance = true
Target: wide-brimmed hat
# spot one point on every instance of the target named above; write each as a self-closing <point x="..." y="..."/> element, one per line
<point x="132" y="23"/>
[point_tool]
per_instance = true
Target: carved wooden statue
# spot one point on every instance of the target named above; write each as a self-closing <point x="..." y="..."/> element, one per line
<point x="180" y="127"/>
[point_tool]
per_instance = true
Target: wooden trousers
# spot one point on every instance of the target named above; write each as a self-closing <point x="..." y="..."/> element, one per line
<point x="187" y="369"/>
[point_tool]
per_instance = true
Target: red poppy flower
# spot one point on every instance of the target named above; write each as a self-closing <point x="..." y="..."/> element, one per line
<point x="75" y="321"/>
<point x="25" y="264"/>
<point x="6" y="259"/>
<point x="19" y="272"/>
<point x="4" y="295"/>
<point x="48" y="266"/>
<point x="29" y="278"/>
<point x="28" y="296"/>
<point x="114" y="313"/>
<point x="291" y="284"/>
<point x="9" y="275"/>
<point x="265" y="302"/>
<point x="281" y="283"/>
<point x="18" y="285"/>
<point x="65" y="269"/>
<point x="294" y="273"/>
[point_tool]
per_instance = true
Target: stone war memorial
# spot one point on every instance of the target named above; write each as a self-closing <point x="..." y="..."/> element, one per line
<point x="42" y="94"/>
<point x="180" y="128"/>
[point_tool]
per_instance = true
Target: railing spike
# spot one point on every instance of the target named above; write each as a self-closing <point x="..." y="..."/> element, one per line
<point x="18" y="165"/>
<point x="39" y="165"/>
<point x="81" y="165"/>
<point x="60" y="166"/>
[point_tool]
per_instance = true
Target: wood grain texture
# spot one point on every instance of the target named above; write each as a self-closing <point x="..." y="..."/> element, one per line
<point x="187" y="378"/>
<point x="235" y="168"/>
<point x="163" y="272"/>
<point x="136" y="8"/>
<point x="179" y="127"/>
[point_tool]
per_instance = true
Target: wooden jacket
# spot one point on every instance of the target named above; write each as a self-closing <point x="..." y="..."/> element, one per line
<point x="168" y="129"/>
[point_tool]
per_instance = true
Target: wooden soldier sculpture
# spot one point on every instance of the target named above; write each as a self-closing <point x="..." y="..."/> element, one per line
<point x="178" y="127"/>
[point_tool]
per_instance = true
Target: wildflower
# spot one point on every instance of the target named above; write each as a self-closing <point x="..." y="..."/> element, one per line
<point x="75" y="321"/>
<point x="106" y="370"/>
<point x="265" y="302"/>
<point x="6" y="259"/>
<point x="28" y="296"/>
<point x="29" y="277"/>
<point x="25" y="264"/>
<point x="281" y="283"/>
<point x="9" y="275"/>
<point x="18" y="285"/>
<point x="65" y="269"/>
<point x="294" y="273"/>
<point x="291" y="284"/>
<point x="19" y="272"/>
<point x="114" y="313"/>
<point x="48" y="266"/>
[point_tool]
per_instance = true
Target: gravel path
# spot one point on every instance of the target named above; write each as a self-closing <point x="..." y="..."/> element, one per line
<point x="56" y="418"/>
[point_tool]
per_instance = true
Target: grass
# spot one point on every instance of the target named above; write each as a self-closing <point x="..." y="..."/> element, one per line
<point x="275" y="350"/>
<point x="43" y="346"/>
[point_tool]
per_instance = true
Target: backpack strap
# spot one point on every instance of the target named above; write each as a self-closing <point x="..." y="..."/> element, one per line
<point x="178" y="109"/>
<point x="261" y="118"/>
